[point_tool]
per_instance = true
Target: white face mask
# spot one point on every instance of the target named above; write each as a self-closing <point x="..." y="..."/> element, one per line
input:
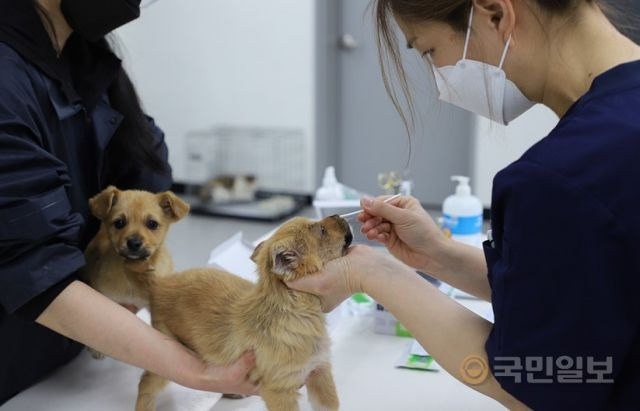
<point x="481" y="88"/>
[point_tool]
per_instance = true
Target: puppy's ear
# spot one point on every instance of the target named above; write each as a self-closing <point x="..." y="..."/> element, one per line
<point x="284" y="260"/>
<point x="101" y="203"/>
<point x="256" y="251"/>
<point x="172" y="205"/>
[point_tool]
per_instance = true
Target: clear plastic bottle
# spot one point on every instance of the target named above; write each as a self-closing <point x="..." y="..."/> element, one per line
<point x="462" y="214"/>
<point x="331" y="189"/>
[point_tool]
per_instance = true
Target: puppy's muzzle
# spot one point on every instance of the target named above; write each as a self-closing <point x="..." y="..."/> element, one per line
<point x="134" y="249"/>
<point x="134" y="244"/>
<point x="348" y="238"/>
<point x="348" y="235"/>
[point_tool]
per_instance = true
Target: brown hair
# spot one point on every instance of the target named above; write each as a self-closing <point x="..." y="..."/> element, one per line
<point x="453" y="12"/>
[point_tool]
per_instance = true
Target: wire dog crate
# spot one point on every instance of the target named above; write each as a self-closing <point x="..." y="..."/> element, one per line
<point x="275" y="156"/>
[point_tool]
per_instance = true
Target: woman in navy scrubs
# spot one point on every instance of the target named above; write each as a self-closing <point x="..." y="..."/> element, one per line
<point x="562" y="268"/>
<point x="70" y="125"/>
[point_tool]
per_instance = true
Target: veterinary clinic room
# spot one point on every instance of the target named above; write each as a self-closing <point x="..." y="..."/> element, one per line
<point x="319" y="205"/>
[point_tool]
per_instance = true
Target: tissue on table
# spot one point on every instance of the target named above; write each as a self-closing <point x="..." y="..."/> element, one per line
<point x="234" y="256"/>
<point x="416" y="358"/>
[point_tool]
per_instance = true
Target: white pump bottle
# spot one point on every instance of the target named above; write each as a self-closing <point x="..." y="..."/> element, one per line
<point x="462" y="214"/>
<point x="331" y="189"/>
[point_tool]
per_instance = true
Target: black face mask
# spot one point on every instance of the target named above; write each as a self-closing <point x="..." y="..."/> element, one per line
<point x="94" y="19"/>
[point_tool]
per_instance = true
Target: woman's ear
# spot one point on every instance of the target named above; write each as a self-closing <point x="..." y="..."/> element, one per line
<point x="498" y="13"/>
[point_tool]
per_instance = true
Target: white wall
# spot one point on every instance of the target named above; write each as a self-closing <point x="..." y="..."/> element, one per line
<point x="197" y="63"/>
<point x="496" y="146"/>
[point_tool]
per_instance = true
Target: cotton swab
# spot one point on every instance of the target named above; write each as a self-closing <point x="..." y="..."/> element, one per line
<point x="388" y="200"/>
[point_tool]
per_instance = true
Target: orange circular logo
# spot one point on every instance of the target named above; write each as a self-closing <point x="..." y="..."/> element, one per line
<point x="474" y="370"/>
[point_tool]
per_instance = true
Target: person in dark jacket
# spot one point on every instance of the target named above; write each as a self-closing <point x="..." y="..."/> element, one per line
<point x="70" y="125"/>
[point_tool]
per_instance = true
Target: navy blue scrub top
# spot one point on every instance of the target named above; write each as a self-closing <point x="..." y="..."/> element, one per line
<point x="564" y="264"/>
<point x="52" y="157"/>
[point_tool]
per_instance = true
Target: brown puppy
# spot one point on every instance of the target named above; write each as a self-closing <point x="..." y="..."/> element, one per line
<point x="220" y="316"/>
<point x="129" y="247"/>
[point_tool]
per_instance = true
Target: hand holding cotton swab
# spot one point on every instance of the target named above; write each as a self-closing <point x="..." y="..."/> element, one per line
<point x="355" y="213"/>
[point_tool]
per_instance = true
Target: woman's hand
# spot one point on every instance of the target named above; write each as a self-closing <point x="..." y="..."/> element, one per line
<point x="81" y="313"/>
<point x="230" y="379"/>
<point x="342" y="277"/>
<point x="405" y="228"/>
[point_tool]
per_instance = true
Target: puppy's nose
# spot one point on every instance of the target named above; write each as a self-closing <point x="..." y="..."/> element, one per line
<point x="348" y="238"/>
<point x="134" y="243"/>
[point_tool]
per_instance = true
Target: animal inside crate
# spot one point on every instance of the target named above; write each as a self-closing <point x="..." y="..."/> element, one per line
<point x="275" y="156"/>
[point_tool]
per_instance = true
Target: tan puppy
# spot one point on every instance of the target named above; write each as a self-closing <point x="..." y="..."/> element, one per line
<point x="129" y="247"/>
<point x="221" y="316"/>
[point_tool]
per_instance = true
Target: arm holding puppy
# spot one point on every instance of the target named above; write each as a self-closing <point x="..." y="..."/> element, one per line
<point x="83" y="314"/>
<point x="447" y="330"/>
<point x="452" y="333"/>
<point x="411" y="235"/>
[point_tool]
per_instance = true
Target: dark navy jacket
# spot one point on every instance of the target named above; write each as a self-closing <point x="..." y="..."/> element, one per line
<point x="52" y="160"/>
<point x="565" y="263"/>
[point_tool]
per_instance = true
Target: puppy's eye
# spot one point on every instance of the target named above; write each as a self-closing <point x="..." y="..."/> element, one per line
<point x="120" y="223"/>
<point x="152" y="224"/>
<point x="323" y="230"/>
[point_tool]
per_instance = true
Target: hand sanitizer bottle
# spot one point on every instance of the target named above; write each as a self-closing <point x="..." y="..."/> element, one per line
<point x="462" y="214"/>
<point x="331" y="189"/>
